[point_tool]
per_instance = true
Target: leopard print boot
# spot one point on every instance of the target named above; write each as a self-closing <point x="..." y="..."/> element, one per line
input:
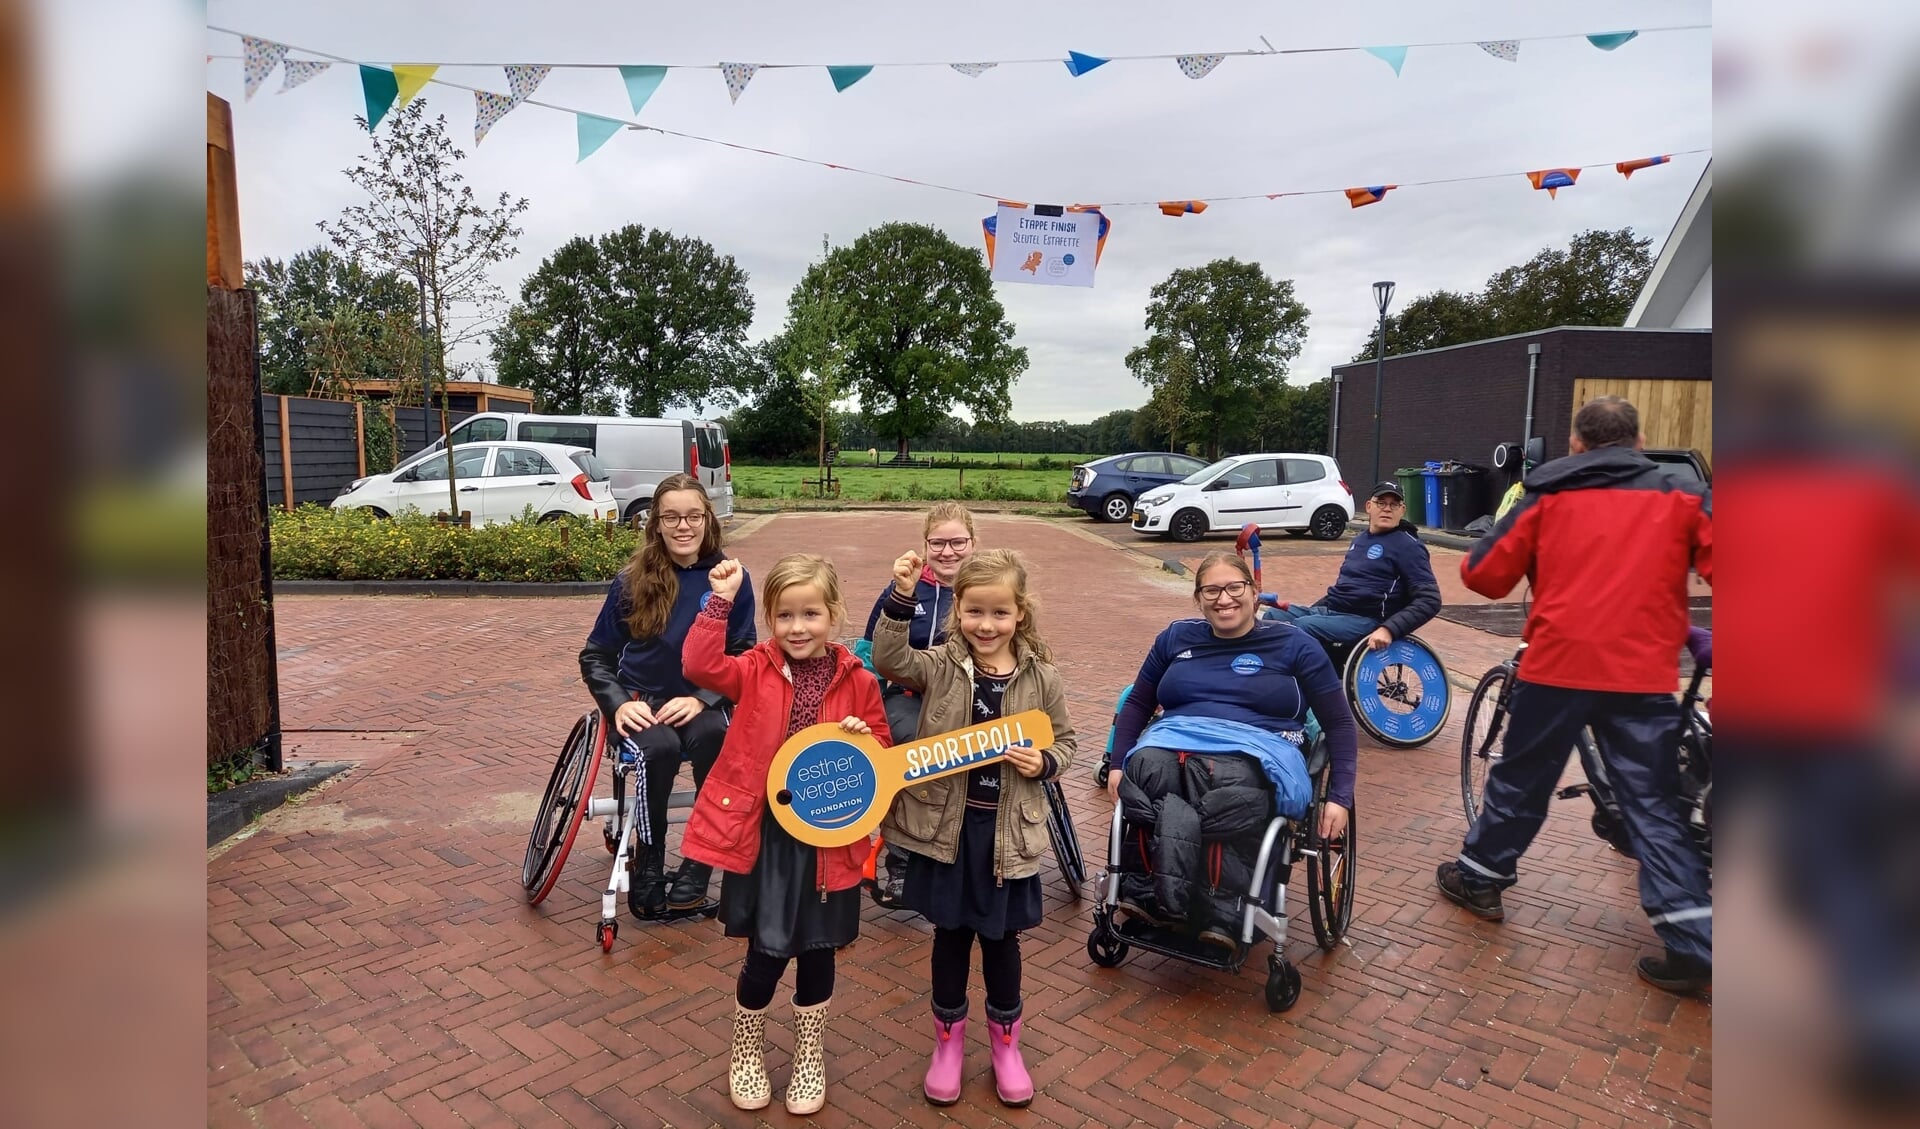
<point x="807" y="1092"/>
<point x="747" y="1081"/>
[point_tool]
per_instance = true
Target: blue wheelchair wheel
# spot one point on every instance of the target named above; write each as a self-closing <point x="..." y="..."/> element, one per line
<point x="1399" y="693"/>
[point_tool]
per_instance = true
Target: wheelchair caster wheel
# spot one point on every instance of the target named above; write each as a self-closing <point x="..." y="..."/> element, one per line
<point x="1283" y="984"/>
<point x="604" y="933"/>
<point x="1104" y="945"/>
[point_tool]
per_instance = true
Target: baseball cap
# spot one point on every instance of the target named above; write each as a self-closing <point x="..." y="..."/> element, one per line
<point x="1392" y="488"/>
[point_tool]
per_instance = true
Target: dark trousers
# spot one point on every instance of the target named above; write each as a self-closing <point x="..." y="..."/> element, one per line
<point x="663" y="746"/>
<point x="999" y="967"/>
<point x="903" y="714"/>
<point x="760" y="978"/>
<point x="1638" y="736"/>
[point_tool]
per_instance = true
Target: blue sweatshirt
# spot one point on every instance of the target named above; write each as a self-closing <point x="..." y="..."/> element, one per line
<point x="1267" y="678"/>
<point x="651" y="667"/>
<point x="932" y="607"/>
<point x="1388" y="578"/>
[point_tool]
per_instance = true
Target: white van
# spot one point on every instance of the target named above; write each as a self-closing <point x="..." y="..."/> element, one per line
<point x="637" y="453"/>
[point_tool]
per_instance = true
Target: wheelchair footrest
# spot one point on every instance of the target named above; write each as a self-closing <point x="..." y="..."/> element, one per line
<point x="666" y="915"/>
<point x="1186" y="946"/>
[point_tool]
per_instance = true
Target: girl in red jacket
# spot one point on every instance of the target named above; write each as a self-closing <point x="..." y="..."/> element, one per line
<point x="790" y="901"/>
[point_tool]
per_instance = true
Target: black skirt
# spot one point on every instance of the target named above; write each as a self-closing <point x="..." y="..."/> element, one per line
<point x="778" y="908"/>
<point x="962" y="894"/>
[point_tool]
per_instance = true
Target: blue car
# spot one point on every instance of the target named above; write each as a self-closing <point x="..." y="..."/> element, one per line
<point x="1106" y="488"/>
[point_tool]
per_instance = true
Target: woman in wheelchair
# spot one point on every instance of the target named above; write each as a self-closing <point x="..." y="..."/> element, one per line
<point x="1227" y="683"/>
<point x="1385" y="590"/>
<point x="632" y="665"/>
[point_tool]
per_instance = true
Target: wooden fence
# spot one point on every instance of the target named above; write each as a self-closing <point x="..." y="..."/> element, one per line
<point x="1673" y="413"/>
<point x="312" y="448"/>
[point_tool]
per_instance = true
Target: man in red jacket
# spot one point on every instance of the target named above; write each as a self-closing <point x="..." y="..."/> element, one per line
<point x="1607" y="539"/>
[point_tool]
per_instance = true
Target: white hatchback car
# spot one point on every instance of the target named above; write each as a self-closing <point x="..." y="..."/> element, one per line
<point x="1297" y="493"/>
<point x="495" y="482"/>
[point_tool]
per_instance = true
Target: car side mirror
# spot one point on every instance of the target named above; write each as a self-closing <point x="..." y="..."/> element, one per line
<point x="1216" y="484"/>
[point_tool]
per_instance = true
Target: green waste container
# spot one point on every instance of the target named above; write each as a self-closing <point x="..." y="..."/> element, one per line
<point x="1413" y="489"/>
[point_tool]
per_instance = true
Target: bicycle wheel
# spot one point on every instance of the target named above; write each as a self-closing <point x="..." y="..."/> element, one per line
<point x="1480" y="741"/>
<point x="562" y="807"/>
<point x="1066" y="843"/>
<point x="1399" y="693"/>
<point x="1330" y="881"/>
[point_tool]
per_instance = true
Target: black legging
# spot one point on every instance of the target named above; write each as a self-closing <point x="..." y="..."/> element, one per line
<point x="760" y="977"/>
<point x="999" y="967"/>
<point x="663" y="746"/>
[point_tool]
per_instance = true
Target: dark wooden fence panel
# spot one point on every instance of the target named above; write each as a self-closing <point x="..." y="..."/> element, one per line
<point x="326" y="453"/>
<point x="270" y="449"/>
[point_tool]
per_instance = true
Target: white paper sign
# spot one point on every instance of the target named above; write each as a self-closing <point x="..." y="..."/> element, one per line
<point x="1050" y="250"/>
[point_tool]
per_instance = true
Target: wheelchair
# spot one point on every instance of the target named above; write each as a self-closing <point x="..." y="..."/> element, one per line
<point x="569" y="801"/>
<point x="1263" y="909"/>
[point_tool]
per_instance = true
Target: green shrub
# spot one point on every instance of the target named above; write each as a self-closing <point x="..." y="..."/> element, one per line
<point x="317" y="543"/>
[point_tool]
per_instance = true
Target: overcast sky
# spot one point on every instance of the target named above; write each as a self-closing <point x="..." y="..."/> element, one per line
<point x="1127" y="131"/>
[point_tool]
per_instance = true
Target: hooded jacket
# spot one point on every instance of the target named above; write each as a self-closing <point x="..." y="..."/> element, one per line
<point x="617" y="667"/>
<point x="932" y="603"/>
<point x="1387" y="577"/>
<point x="1607" y="539"/>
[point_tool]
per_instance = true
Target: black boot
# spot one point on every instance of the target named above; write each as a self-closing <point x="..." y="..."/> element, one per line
<point x="647" y="894"/>
<point x="893" y="885"/>
<point x="687" y="893"/>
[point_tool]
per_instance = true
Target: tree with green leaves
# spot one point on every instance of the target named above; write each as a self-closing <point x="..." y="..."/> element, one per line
<point x="922" y="330"/>
<point x="551" y="341"/>
<point x="320" y="312"/>
<point x="1594" y="280"/>
<point x="673" y="319"/>
<point x="1227" y="332"/>
<point x="421" y="220"/>
<point x="816" y="346"/>
<point x="775" y="423"/>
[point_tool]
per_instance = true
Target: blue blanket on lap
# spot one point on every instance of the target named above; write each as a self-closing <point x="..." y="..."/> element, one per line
<point x="1284" y="761"/>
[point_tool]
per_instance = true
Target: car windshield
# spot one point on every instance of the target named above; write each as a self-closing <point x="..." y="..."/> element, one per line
<point x="1206" y="472"/>
<point x="588" y="462"/>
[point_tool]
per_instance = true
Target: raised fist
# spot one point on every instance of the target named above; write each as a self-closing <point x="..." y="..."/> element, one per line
<point x="906" y="572"/>
<point x="725" y="578"/>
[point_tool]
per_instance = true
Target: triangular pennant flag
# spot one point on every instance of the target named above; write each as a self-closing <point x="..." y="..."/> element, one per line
<point x="1392" y="56"/>
<point x="1612" y="40"/>
<point x="593" y="132"/>
<point x="1197" y="66"/>
<point x="258" y="60"/>
<point x="524" y="80"/>
<point x="380" y="88"/>
<point x="973" y="70"/>
<point x="1628" y="168"/>
<point x="1553" y="180"/>
<point x="297" y="72"/>
<point x="1078" y="64"/>
<point x="737" y="76"/>
<point x="641" y="83"/>
<point x="488" y="108"/>
<point x="844" y="77"/>
<point x="1361" y="197"/>
<point x="1508" y="49"/>
<point x="411" y="78"/>
<point x="1182" y="207"/>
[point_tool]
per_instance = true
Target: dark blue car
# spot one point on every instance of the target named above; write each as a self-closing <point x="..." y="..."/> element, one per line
<point x="1107" y="487"/>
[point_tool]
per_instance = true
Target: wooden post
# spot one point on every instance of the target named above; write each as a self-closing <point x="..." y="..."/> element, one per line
<point x="360" y="435"/>
<point x="286" y="458"/>
<point x="224" y="267"/>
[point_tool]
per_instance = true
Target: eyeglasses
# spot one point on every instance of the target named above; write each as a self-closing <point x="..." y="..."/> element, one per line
<point x="1236" y="589"/>
<point x="953" y="544"/>
<point x="691" y="521"/>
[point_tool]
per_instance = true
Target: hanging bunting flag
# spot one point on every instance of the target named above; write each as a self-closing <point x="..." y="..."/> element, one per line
<point x="1198" y="66"/>
<point x="844" y="77"/>
<point x="1051" y="242"/>
<point x="1182" y="207"/>
<point x="297" y="72"/>
<point x="1553" y="180"/>
<point x="412" y="77"/>
<point x="1078" y="64"/>
<point x="1392" y="56"/>
<point x="641" y="83"/>
<point x="1612" y="39"/>
<point x="1628" y="168"/>
<point x="524" y="80"/>
<point x="380" y="88"/>
<point x="1361" y="197"/>
<point x="737" y="76"/>
<point x="973" y="70"/>
<point x="593" y="131"/>
<point x="488" y="108"/>
<point x="1508" y="49"/>
<point x="258" y="59"/>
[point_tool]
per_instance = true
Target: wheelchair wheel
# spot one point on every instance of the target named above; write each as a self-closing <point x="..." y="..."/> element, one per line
<point x="1330" y="882"/>
<point x="1480" y="740"/>
<point x="1283" y="983"/>
<point x="1104" y="945"/>
<point x="562" y="807"/>
<point x="1066" y="844"/>
<point x="1399" y="693"/>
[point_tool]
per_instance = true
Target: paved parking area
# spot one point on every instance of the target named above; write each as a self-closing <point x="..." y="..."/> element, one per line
<point x="372" y="961"/>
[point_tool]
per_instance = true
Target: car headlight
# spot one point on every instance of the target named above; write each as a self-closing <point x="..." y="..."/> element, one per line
<point x="1161" y="500"/>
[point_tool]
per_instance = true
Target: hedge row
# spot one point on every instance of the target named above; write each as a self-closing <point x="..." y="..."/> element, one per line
<point x="318" y="543"/>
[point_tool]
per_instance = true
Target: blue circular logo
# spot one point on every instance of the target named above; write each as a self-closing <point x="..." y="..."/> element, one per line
<point x="830" y="784"/>
<point x="704" y="597"/>
<point x="1067" y="258"/>
<point x="1247" y="664"/>
<point x="1374" y="552"/>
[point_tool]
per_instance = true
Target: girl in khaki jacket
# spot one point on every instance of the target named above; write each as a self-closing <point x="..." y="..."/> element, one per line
<point x="975" y="840"/>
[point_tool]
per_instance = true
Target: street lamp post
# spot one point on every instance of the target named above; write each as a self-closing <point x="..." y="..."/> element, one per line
<point x="1382" y="294"/>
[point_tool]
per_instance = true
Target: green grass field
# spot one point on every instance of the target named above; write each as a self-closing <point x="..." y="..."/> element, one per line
<point x="868" y="484"/>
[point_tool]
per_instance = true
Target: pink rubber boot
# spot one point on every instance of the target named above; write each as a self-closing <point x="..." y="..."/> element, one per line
<point x="1010" y="1078"/>
<point x="943" y="1073"/>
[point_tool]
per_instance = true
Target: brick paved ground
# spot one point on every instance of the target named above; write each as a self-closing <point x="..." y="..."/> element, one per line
<point x="372" y="960"/>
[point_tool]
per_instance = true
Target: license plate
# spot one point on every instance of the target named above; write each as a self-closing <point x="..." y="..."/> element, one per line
<point x="1139" y="516"/>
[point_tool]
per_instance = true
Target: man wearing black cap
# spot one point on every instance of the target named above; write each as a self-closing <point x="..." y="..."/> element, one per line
<point x="1385" y="588"/>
